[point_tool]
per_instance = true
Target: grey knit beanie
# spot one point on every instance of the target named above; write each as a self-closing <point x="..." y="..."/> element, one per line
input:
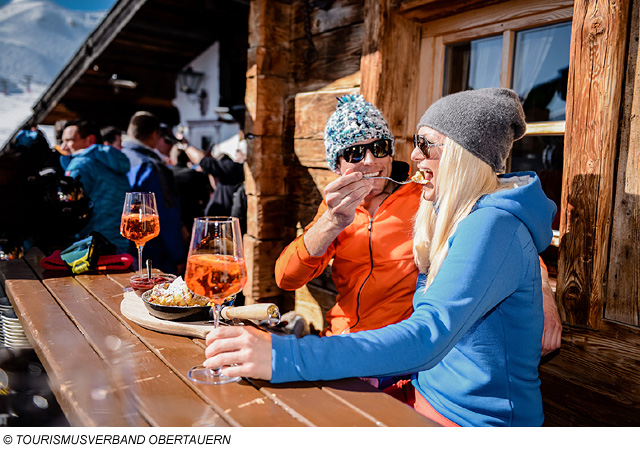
<point x="485" y="122"/>
<point x="354" y="120"/>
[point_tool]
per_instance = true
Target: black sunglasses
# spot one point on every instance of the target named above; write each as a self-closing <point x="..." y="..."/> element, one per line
<point x="424" y="144"/>
<point x="356" y="153"/>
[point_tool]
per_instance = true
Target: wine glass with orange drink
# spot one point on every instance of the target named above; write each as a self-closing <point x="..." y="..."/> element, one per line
<point x="140" y="222"/>
<point x="216" y="270"/>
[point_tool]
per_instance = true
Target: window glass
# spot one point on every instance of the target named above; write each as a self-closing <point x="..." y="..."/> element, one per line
<point x="472" y="65"/>
<point x="543" y="155"/>
<point x="540" y="68"/>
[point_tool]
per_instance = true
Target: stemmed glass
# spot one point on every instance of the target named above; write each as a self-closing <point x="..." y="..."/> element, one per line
<point x="140" y="222"/>
<point x="216" y="270"/>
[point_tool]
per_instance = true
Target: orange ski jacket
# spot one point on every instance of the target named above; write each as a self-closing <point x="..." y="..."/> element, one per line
<point x="373" y="267"/>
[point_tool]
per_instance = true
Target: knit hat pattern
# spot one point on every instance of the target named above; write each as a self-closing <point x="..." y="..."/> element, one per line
<point x="354" y="120"/>
<point x="485" y="122"/>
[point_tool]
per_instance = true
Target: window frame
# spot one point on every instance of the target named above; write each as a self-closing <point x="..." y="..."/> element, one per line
<point x="505" y="19"/>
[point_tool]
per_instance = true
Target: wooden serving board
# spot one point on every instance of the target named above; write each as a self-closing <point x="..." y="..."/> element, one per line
<point x="132" y="307"/>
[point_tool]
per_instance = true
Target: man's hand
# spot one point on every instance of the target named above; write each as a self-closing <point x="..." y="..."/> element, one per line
<point x="343" y="197"/>
<point x="240" y="351"/>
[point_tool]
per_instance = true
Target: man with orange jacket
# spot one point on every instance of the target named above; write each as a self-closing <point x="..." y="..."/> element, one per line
<point x="365" y="225"/>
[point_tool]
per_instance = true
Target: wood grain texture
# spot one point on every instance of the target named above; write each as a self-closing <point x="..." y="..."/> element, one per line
<point x="331" y="64"/>
<point x="342" y="13"/>
<point x="390" y="70"/>
<point x="623" y="287"/>
<point x="596" y="73"/>
<point x="594" y="378"/>
<point x="72" y="365"/>
<point x="260" y="257"/>
<point x="425" y="10"/>
<point x="353" y="408"/>
<point x="313" y="109"/>
<point x="381" y="408"/>
<point x="493" y="19"/>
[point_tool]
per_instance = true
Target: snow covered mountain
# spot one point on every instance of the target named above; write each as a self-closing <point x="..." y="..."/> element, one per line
<point x="37" y="39"/>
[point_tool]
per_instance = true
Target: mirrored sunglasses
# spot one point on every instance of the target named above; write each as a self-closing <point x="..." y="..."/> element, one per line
<point x="356" y="153"/>
<point x="424" y="144"/>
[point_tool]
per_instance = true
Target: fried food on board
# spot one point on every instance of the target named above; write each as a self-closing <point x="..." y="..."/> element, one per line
<point x="176" y="294"/>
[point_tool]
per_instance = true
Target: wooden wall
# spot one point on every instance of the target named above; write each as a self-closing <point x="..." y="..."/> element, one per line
<point x="594" y="378"/>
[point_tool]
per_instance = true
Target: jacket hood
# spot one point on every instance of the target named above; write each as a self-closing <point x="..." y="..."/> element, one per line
<point x="107" y="155"/>
<point x="526" y="200"/>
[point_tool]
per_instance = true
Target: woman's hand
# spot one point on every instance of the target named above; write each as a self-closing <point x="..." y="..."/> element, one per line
<point x="245" y="350"/>
<point x="552" y="334"/>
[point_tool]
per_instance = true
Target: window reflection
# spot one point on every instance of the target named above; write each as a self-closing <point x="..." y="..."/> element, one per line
<point x="472" y="65"/>
<point x="543" y="155"/>
<point x="540" y="71"/>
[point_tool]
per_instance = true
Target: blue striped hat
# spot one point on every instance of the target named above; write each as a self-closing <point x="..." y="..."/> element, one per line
<point x="353" y="121"/>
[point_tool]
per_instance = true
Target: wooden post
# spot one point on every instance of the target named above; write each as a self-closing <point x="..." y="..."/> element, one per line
<point x="267" y="89"/>
<point x="623" y="287"/>
<point x="389" y="67"/>
<point x="594" y="93"/>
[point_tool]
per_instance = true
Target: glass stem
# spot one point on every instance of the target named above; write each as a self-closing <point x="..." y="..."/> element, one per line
<point x="217" y="310"/>
<point x="140" y="265"/>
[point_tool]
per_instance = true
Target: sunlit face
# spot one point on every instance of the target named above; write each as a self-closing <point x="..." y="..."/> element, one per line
<point x="370" y="166"/>
<point x="429" y="166"/>
<point x="72" y="141"/>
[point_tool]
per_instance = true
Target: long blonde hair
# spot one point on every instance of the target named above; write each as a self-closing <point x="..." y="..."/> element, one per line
<point x="462" y="179"/>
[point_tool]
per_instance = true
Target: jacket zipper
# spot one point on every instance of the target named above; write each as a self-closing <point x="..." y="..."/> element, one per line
<point x="369" y="275"/>
<point x="370" y="229"/>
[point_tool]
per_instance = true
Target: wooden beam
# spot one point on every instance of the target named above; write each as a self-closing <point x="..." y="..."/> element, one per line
<point x="623" y="287"/>
<point x="268" y="85"/>
<point x="390" y="69"/>
<point x="424" y="10"/>
<point x="596" y="74"/>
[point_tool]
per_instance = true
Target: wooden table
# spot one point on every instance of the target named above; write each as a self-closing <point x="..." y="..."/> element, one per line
<point x="108" y="371"/>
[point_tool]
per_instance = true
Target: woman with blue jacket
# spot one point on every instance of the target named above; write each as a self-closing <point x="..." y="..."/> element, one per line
<point x="473" y="342"/>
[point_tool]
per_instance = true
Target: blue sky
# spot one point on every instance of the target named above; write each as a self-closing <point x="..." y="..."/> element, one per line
<point x="86" y="5"/>
<point x="79" y="5"/>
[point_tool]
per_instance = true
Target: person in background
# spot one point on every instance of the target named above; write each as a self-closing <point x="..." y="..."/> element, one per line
<point x="165" y="144"/>
<point x="58" y="128"/>
<point x="102" y="170"/>
<point x="473" y="341"/>
<point x="112" y="136"/>
<point x="193" y="186"/>
<point x="228" y="176"/>
<point x="148" y="173"/>
<point x="367" y="232"/>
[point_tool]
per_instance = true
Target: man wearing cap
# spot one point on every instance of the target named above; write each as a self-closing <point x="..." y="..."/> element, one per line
<point x="165" y="143"/>
<point x="366" y="227"/>
<point x="148" y="173"/>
